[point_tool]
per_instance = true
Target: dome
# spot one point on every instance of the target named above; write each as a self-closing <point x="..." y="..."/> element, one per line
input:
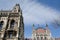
<point x="40" y="30"/>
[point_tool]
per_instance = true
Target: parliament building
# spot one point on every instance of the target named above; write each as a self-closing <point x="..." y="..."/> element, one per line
<point x="41" y="33"/>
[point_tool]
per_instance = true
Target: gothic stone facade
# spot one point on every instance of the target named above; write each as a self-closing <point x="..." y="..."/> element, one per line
<point x="41" y="33"/>
<point x="11" y="24"/>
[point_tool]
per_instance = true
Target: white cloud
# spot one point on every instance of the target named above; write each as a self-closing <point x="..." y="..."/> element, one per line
<point x="38" y="13"/>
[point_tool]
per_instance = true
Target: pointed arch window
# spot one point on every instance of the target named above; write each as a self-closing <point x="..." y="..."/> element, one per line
<point x="12" y="23"/>
<point x="1" y="25"/>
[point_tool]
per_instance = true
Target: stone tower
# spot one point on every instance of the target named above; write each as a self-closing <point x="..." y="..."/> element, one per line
<point x="11" y="24"/>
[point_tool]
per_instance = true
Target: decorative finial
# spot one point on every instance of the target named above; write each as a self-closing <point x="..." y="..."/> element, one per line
<point x="46" y="25"/>
<point x="17" y="4"/>
<point x="33" y="25"/>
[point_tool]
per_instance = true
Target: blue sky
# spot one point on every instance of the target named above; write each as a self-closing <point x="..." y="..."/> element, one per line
<point x="37" y="12"/>
<point x="51" y="3"/>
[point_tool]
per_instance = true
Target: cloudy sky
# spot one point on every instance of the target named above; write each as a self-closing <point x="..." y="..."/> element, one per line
<point x="36" y="12"/>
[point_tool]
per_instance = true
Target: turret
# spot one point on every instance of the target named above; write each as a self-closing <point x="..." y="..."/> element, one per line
<point x="46" y="26"/>
<point x="33" y="27"/>
<point x="16" y="8"/>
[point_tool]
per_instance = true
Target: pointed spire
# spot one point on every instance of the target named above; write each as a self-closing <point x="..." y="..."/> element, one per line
<point x="46" y="25"/>
<point x="33" y="29"/>
<point x="33" y="26"/>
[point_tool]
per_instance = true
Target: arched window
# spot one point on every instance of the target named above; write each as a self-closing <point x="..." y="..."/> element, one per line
<point x="12" y="23"/>
<point x="37" y="38"/>
<point x="0" y="35"/>
<point x="10" y="34"/>
<point x="1" y="24"/>
<point x="41" y="38"/>
<point x="45" y="38"/>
